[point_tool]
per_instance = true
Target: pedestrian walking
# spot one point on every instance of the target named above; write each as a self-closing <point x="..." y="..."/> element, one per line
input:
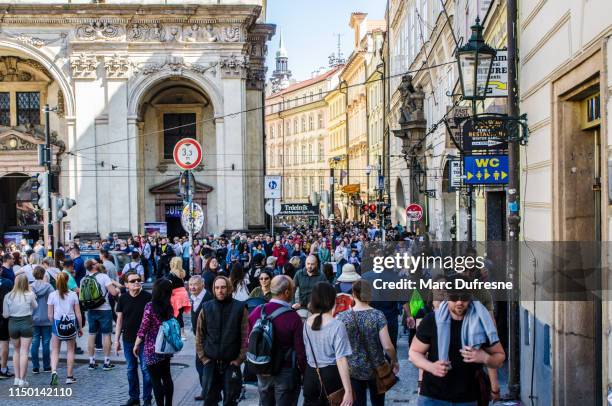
<point x="7" y="267"/>
<point x="165" y="253"/>
<point x="305" y="279"/>
<point x="221" y="339"/>
<point x="198" y="296"/>
<point x="180" y="299"/>
<point x="18" y="306"/>
<point x="211" y="271"/>
<point x="239" y="283"/>
<point x="327" y="348"/>
<point x="109" y="265"/>
<point x="130" y="311"/>
<point x="155" y="313"/>
<point x="369" y="336"/>
<point x="41" y="333"/>
<point x="95" y="288"/>
<point x="263" y="290"/>
<point x="278" y="381"/>
<point x="452" y="346"/>
<point x="6" y="285"/>
<point x="63" y="308"/>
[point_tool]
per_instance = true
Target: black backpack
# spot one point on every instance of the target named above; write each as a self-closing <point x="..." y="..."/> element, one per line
<point x="263" y="356"/>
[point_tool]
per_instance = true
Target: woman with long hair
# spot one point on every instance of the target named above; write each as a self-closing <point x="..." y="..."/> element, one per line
<point x="239" y="283"/>
<point x="327" y="348"/>
<point x="155" y="313"/>
<point x="180" y="298"/>
<point x="18" y="306"/>
<point x="263" y="290"/>
<point x="64" y="310"/>
<point x="370" y="340"/>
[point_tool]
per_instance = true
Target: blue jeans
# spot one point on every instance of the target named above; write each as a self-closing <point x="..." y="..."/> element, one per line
<point x="45" y="333"/>
<point x="132" y="373"/>
<point x="425" y="401"/>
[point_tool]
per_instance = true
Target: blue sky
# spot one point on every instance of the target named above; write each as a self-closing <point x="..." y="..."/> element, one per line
<point x="308" y="30"/>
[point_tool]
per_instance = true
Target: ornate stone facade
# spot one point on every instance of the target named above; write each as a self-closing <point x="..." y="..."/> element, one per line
<point x="115" y="74"/>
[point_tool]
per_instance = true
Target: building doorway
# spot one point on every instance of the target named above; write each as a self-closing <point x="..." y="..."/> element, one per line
<point x="17" y="213"/>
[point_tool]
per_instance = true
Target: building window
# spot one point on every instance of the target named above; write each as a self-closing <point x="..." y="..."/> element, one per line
<point x="321" y="152"/>
<point x="5" y="109"/>
<point x="176" y="127"/>
<point x="304" y="187"/>
<point x="271" y="131"/>
<point x="303" y="120"/>
<point x="321" y="183"/>
<point x="547" y="346"/>
<point x="303" y="150"/>
<point x="310" y="153"/>
<point x="295" y="126"/>
<point x="310" y="122"/>
<point x="288" y="129"/>
<point x="28" y="108"/>
<point x="320" y="121"/>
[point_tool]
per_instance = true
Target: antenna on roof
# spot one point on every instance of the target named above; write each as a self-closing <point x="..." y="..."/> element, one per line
<point x="338" y="58"/>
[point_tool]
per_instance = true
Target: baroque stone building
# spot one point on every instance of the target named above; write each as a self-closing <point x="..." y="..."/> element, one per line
<point x="128" y="81"/>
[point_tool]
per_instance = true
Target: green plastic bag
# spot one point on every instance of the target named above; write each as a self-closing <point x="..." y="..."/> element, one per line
<point x="416" y="303"/>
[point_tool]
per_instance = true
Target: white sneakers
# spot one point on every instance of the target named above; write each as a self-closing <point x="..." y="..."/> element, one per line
<point x="20" y="382"/>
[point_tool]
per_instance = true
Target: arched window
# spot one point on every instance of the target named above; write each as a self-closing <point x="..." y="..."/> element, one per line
<point x="303" y="120"/>
<point x="310" y="122"/>
<point x="287" y="129"/>
<point x="295" y="126"/>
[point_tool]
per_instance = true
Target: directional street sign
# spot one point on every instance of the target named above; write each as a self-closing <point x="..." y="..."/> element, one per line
<point x="187" y="153"/>
<point x="485" y="169"/>
<point x="485" y="134"/>
<point x="273" y="187"/>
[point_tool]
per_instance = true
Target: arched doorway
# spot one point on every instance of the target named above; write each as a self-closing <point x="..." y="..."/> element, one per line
<point x="17" y="213"/>
<point x="170" y="110"/>
<point x="400" y="203"/>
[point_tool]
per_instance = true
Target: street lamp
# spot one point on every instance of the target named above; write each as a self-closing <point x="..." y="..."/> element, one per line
<point x="475" y="60"/>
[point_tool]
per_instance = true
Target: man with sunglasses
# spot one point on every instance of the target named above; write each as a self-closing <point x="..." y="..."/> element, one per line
<point x="452" y="355"/>
<point x="130" y="310"/>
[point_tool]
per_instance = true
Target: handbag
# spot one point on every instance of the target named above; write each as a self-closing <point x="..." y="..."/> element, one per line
<point x="383" y="374"/>
<point x="335" y="398"/>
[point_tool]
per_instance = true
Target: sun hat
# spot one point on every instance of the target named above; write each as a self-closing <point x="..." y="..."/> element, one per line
<point x="349" y="274"/>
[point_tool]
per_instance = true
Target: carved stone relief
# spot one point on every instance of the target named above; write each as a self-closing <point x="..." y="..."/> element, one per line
<point x="176" y="65"/>
<point x="83" y="66"/>
<point x="99" y="30"/>
<point x="116" y="66"/>
<point x="234" y="66"/>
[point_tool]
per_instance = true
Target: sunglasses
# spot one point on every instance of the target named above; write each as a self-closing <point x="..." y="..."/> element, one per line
<point x="134" y="281"/>
<point x="457" y="298"/>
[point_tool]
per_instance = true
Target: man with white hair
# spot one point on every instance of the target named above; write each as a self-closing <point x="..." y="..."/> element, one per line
<point x="198" y="295"/>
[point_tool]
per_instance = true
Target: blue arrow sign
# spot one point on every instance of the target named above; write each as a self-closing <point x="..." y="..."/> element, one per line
<point x="485" y="169"/>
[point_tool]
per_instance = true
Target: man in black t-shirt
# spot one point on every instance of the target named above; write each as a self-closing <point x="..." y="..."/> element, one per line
<point x="454" y="380"/>
<point x="130" y="309"/>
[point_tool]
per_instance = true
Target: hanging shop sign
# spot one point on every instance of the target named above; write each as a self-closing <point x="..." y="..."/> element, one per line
<point x="454" y="175"/>
<point x="498" y="81"/>
<point x="485" y="169"/>
<point x="485" y="133"/>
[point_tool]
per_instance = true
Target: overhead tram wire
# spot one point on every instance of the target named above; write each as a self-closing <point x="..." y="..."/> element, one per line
<point x="414" y="71"/>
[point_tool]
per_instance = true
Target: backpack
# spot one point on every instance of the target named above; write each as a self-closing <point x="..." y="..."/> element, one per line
<point x="66" y="328"/>
<point x="91" y="296"/>
<point x="168" y="340"/>
<point x="52" y="280"/>
<point x="262" y="356"/>
<point x="344" y="301"/>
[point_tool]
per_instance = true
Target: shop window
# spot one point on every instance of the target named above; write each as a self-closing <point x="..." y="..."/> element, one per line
<point x="5" y="109"/>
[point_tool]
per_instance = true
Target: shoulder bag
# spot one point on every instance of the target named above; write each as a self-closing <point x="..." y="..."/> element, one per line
<point x="334" y="399"/>
<point x="385" y="378"/>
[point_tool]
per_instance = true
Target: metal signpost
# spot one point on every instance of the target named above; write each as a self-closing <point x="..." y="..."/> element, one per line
<point x="273" y="208"/>
<point x="273" y="190"/>
<point x="188" y="155"/>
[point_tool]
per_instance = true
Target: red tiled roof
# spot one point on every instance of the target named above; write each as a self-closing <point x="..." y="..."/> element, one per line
<point x="305" y="83"/>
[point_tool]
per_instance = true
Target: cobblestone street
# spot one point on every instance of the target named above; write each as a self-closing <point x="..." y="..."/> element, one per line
<point x="111" y="388"/>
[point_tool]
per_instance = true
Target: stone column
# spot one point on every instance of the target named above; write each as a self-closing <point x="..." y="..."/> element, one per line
<point x="89" y="96"/>
<point x="71" y="173"/>
<point x="233" y="170"/>
<point x="121" y="195"/>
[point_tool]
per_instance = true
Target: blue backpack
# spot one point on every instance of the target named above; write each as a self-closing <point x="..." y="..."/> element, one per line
<point x="168" y="340"/>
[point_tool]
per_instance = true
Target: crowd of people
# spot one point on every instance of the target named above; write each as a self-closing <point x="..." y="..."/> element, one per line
<point x="293" y="313"/>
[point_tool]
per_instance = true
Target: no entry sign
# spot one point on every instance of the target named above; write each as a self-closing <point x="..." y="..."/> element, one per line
<point x="414" y="212"/>
<point x="187" y="153"/>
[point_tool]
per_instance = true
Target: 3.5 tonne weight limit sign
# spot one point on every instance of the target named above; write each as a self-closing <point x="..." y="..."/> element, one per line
<point x="187" y="153"/>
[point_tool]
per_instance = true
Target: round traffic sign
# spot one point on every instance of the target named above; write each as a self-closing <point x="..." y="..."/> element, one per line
<point x="192" y="220"/>
<point x="187" y="153"/>
<point x="414" y="212"/>
<point x="273" y="207"/>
